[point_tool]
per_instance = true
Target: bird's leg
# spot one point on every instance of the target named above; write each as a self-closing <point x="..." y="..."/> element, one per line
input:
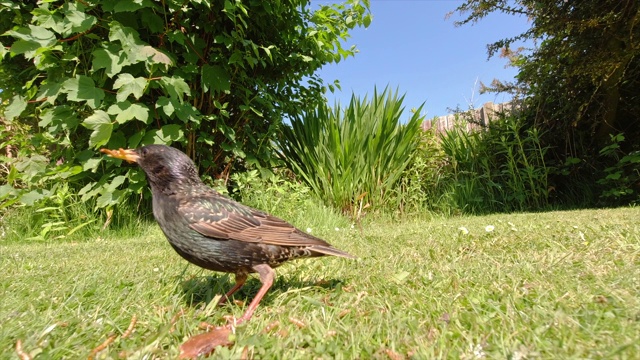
<point x="267" y="274"/>
<point x="241" y="278"/>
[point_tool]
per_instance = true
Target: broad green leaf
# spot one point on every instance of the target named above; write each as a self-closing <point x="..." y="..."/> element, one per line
<point x="128" y="37"/>
<point x="48" y="19"/>
<point x="175" y="86"/>
<point x="28" y="48"/>
<point x="367" y="20"/>
<point x="166" y="105"/>
<point x="187" y="112"/>
<point x="31" y="39"/>
<point x="49" y="92"/>
<point x="130" y="41"/>
<point x="61" y="117"/>
<point x="82" y="88"/>
<point x="33" y="196"/>
<point x="130" y="5"/>
<point x="31" y="166"/>
<point x="166" y="135"/>
<point x="109" y="198"/>
<point x="91" y="164"/>
<point x="34" y="34"/>
<point x="127" y="84"/>
<point x="117" y="181"/>
<point x="77" y="22"/>
<point x="111" y="58"/>
<point x="151" y="20"/>
<point x="7" y="190"/>
<point x="17" y="105"/>
<point x="102" y="127"/>
<point x="236" y="57"/>
<point x="215" y="78"/>
<point x="170" y="133"/>
<point x="126" y="111"/>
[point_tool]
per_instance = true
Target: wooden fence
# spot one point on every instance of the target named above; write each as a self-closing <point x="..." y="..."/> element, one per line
<point x="481" y="117"/>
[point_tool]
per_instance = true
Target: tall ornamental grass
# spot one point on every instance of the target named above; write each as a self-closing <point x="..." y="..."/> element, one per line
<point x="499" y="169"/>
<point x="353" y="157"/>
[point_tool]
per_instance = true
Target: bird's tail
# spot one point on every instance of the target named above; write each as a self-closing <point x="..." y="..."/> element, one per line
<point x="328" y="250"/>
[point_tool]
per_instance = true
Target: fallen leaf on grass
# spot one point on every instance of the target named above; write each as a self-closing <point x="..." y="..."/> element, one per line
<point x="205" y="344"/>
<point x="446" y="318"/>
<point x="431" y="335"/>
<point x="245" y="353"/>
<point x="101" y="347"/>
<point x="326" y="301"/>
<point x="206" y="326"/>
<point x="299" y="323"/>
<point x="600" y="299"/>
<point x="174" y="319"/>
<point x="393" y="355"/>
<point x="21" y="354"/>
<point x="111" y="338"/>
<point x="129" y="330"/>
<point x="271" y="326"/>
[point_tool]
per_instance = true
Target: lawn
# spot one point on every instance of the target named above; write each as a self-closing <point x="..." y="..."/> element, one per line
<point x="556" y="285"/>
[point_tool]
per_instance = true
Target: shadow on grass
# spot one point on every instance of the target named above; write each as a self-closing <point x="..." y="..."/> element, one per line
<point x="202" y="290"/>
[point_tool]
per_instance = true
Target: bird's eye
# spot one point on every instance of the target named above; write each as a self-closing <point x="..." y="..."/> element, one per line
<point x="144" y="151"/>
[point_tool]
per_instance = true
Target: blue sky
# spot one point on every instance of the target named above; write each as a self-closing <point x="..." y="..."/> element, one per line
<point x="411" y="46"/>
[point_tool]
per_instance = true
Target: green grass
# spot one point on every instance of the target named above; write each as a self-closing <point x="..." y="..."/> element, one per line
<point x="560" y="285"/>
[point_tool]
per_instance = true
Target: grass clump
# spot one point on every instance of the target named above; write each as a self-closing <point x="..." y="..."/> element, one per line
<point x="354" y="156"/>
<point x="500" y="168"/>
<point x="543" y="285"/>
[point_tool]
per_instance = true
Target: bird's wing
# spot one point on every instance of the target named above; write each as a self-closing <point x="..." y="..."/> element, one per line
<point x="221" y="218"/>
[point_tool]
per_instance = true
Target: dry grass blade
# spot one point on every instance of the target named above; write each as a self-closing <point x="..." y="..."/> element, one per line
<point x="102" y="346"/>
<point x="129" y="330"/>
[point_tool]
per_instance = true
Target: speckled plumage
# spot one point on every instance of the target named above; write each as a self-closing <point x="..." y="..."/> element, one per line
<point x="213" y="231"/>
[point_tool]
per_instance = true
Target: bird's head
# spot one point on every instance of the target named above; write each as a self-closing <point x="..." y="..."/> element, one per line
<point x="166" y="168"/>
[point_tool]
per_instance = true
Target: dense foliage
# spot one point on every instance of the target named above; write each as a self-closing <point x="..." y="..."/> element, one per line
<point x="214" y="78"/>
<point x="499" y="169"/>
<point x="581" y="85"/>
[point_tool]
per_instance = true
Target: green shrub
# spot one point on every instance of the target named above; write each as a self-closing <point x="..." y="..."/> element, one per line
<point x="425" y="183"/>
<point x="619" y="184"/>
<point x="214" y="78"/>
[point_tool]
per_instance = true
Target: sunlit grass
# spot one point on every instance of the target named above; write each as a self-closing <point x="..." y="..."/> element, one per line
<point x="547" y="285"/>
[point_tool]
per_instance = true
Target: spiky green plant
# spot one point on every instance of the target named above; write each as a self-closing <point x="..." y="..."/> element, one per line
<point x="353" y="157"/>
<point x="501" y="168"/>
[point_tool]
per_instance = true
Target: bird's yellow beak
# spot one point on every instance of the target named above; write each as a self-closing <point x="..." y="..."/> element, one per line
<point x="129" y="155"/>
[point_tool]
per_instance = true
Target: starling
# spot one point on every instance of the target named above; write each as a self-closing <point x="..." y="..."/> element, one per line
<point x="213" y="231"/>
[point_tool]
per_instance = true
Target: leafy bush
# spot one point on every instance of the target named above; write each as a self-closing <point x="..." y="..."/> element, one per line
<point x="621" y="180"/>
<point x="353" y="157"/>
<point x="579" y="84"/>
<point x="213" y="78"/>
<point x="425" y="184"/>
